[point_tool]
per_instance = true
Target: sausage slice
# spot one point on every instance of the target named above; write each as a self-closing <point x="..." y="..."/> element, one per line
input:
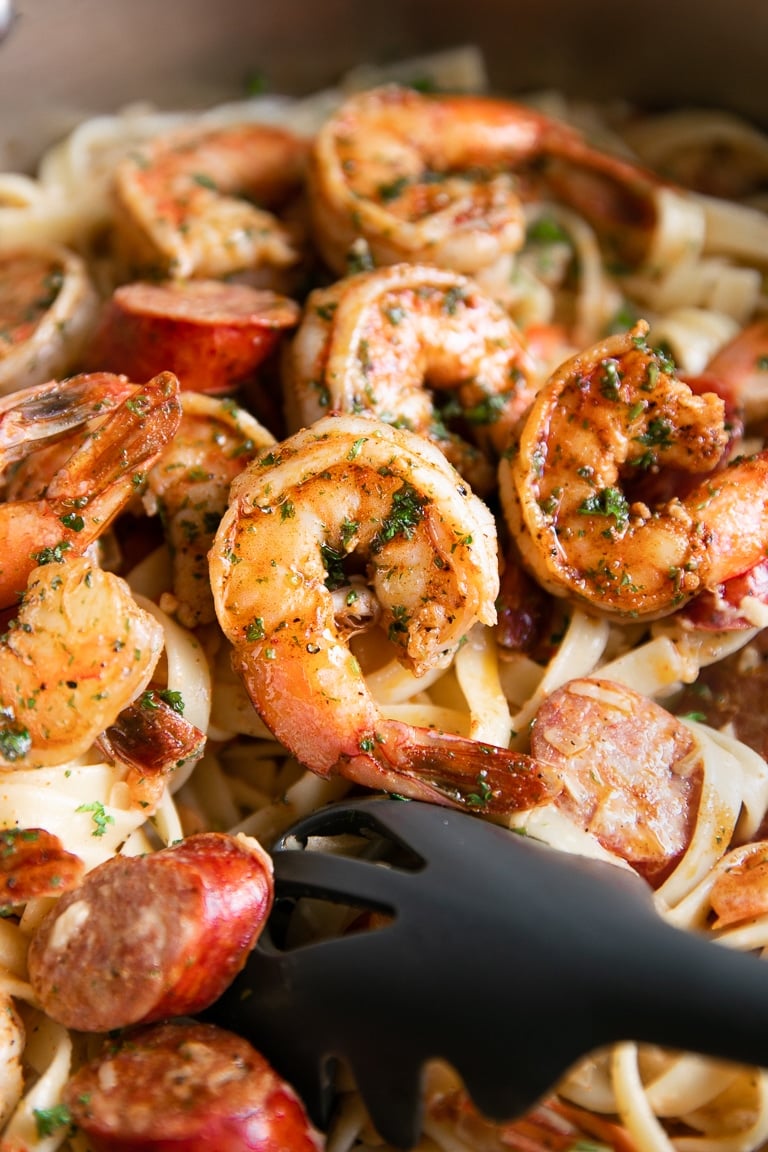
<point x="211" y="335"/>
<point x="147" y="937"/>
<point x="187" y="1088"/>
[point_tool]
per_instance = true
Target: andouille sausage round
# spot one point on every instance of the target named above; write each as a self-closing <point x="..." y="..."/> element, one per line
<point x="148" y="937"/>
<point x="187" y="1088"/>
<point x="210" y="334"/>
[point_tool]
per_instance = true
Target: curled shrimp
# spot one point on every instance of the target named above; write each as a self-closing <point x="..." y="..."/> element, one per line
<point x="351" y="489"/>
<point x="741" y="370"/>
<point x="189" y="486"/>
<point x="48" y="309"/>
<point x="64" y="507"/>
<point x="186" y="203"/>
<point x="442" y="179"/>
<point x="377" y="342"/>
<point x="573" y="486"/>
<point x="77" y="652"/>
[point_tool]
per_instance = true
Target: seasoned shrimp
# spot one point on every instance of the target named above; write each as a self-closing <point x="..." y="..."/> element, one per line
<point x="631" y="771"/>
<point x="189" y="486"/>
<point x="352" y="488"/>
<point x="572" y="488"/>
<point x="98" y="649"/>
<point x="741" y="368"/>
<point x="441" y="179"/>
<point x="371" y="342"/>
<point x="550" y="1126"/>
<point x="65" y="508"/>
<point x="186" y="202"/>
<point x="740" y="891"/>
<point x="48" y="309"/>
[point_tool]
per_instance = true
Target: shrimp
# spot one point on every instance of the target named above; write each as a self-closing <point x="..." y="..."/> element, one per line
<point x="631" y="771"/>
<point x="184" y="201"/>
<point x="550" y="1126"/>
<point x="740" y="891"/>
<point x="741" y="368"/>
<point x="77" y="652"/>
<point x="189" y="486"/>
<point x="572" y="486"/>
<point x="48" y="309"/>
<point x="67" y="508"/>
<point x="442" y="179"/>
<point x="370" y="343"/>
<point x="353" y="488"/>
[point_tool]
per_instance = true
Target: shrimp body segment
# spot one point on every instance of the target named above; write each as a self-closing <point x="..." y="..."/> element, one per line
<point x="98" y="648"/>
<point x="572" y="486"/>
<point x="189" y="487"/>
<point x="63" y="510"/>
<point x="442" y="179"/>
<point x="377" y="342"/>
<point x="352" y="490"/>
<point x="48" y="309"/>
<point x="187" y="202"/>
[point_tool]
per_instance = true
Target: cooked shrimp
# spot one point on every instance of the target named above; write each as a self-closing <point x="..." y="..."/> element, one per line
<point x="189" y="486"/>
<point x="77" y="652"/>
<point x="371" y="342"/>
<point x="740" y="891"/>
<point x="64" y="511"/>
<point x="186" y="202"/>
<point x="550" y="1126"/>
<point x="48" y="309"/>
<point x="441" y="179"/>
<point x="353" y="488"/>
<point x="572" y="488"/>
<point x="741" y="367"/>
<point x="631" y="771"/>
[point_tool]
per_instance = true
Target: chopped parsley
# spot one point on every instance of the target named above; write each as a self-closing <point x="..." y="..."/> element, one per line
<point x="49" y="1120"/>
<point x="333" y="562"/>
<point x="99" y="815"/>
<point x="406" y="512"/>
<point x="484" y="794"/>
<point x="52" y="555"/>
<point x="607" y="502"/>
<point x="174" y="700"/>
<point x="15" y="743"/>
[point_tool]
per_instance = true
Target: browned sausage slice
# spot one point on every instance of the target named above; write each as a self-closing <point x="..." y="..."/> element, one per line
<point x="210" y="334"/>
<point x="187" y="1088"/>
<point x="631" y="771"/>
<point x="147" y="937"/>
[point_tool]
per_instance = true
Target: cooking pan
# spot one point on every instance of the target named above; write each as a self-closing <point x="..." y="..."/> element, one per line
<point x="60" y="59"/>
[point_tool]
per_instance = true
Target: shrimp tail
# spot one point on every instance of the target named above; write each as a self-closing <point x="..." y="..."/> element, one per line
<point x="48" y="412"/>
<point x="450" y="770"/>
<point x="106" y="469"/>
<point x="114" y="464"/>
